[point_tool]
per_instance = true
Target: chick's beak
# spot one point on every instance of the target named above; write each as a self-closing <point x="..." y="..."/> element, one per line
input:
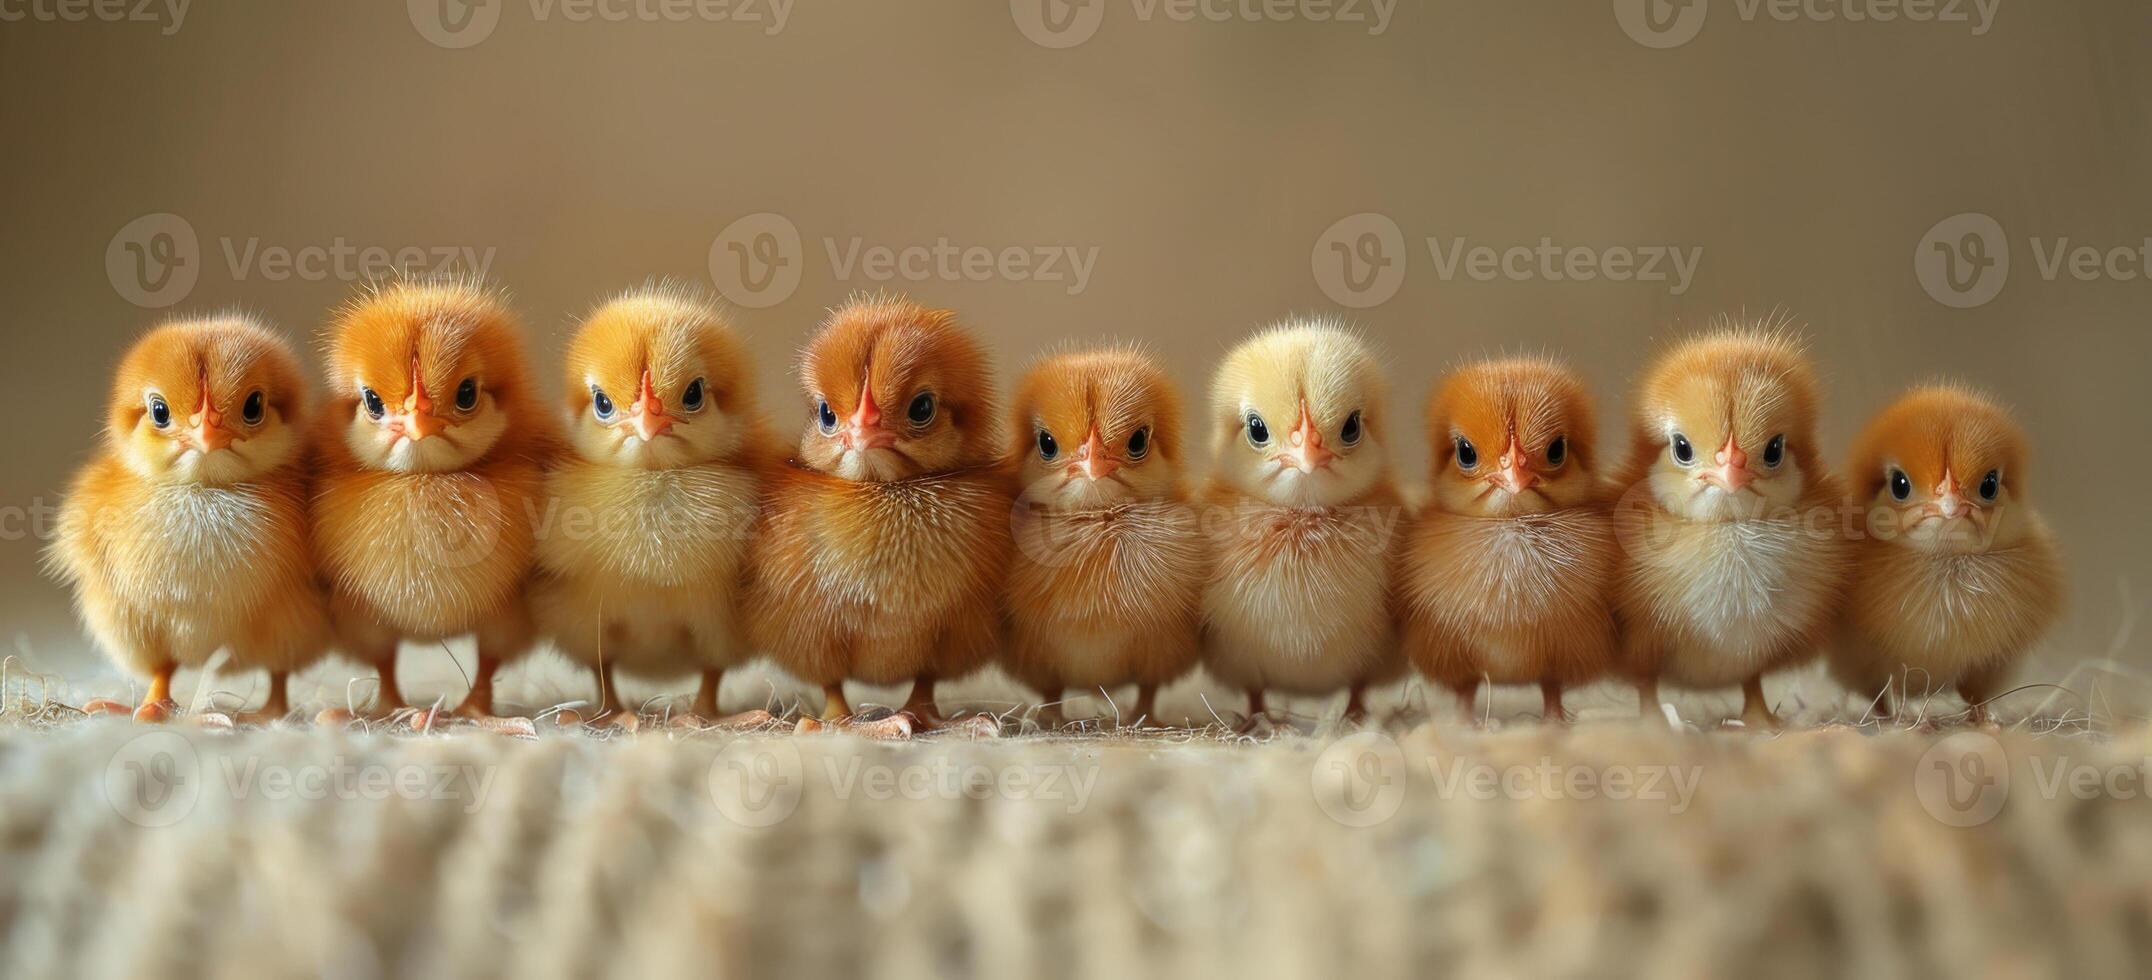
<point x="864" y="429"/>
<point x="1515" y="476"/>
<point x="1948" y="502"/>
<point x="207" y="424"/>
<point x="1092" y="462"/>
<point x="418" y="421"/>
<point x="650" y="418"/>
<point x="1732" y="472"/>
<point x="1307" y="453"/>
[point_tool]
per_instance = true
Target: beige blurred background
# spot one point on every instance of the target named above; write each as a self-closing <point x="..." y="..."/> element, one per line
<point x="1204" y="167"/>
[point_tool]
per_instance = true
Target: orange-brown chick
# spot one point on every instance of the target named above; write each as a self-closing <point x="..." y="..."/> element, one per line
<point x="885" y="544"/>
<point x="1303" y="514"/>
<point x="643" y="563"/>
<point x="433" y="454"/>
<point x="187" y="532"/>
<point x="1956" y="574"/>
<point x="1733" y="559"/>
<point x="1106" y="586"/>
<point x="1505" y="575"/>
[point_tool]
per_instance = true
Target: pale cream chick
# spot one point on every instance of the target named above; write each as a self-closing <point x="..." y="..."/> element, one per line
<point x="1303" y="514"/>
<point x="1734" y="557"/>
<point x="1956" y="574"/>
<point x="643" y="550"/>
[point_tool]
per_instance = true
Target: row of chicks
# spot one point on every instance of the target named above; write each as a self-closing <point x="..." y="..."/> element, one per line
<point x="915" y="533"/>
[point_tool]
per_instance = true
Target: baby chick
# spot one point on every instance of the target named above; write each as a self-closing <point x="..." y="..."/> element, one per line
<point x="644" y="561"/>
<point x="886" y="541"/>
<point x="1304" y="516"/>
<point x="1956" y="575"/>
<point x="187" y="533"/>
<point x="1505" y="574"/>
<point x="432" y="465"/>
<point x="1732" y="557"/>
<point x="1106" y="588"/>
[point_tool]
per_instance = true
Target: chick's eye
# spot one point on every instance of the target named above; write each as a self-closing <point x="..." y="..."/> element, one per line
<point x="1900" y="487"/>
<point x="160" y="414"/>
<point x="1048" y="448"/>
<point x="601" y="403"/>
<point x="826" y="417"/>
<point x="1467" y="456"/>
<point x="1775" y="452"/>
<point x="375" y="408"/>
<point x="1258" y="431"/>
<point x="1139" y="443"/>
<point x="921" y="410"/>
<point x="467" y="395"/>
<point x="1684" y="453"/>
<point x="1350" y="434"/>
<point x="1991" y="485"/>
<point x="691" y="399"/>
<point x="1557" y="450"/>
<point x="254" y="408"/>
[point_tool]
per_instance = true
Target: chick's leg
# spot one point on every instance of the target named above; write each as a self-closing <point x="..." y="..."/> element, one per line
<point x="157" y="704"/>
<point x="1467" y="692"/>
<point x="479" y="702"/>
<point x="276" y="707"/>
<point x="1355" y="705"/>
<point x="1147" y="705"/>
<point x="611" y="713"/>
<point x="1755" y="711"/>
<point x="1550" y="695"/>
<point x="921" y="703"/>
<point x="834" y="706"/>
<point x="1978" y="689"/>
<point x="1257" y="711"/>
<point x="706" y="694"/>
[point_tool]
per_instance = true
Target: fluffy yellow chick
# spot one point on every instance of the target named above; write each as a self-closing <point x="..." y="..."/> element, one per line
<point x="1303" y="513"/>
<point x="1956" y="574"/>
<point x="1733" y="558"/>
<point x="643" y="558"/>
<point x="1504" y="577"/>
<point x="187" y="533"/>
<point x="1106" y="586"/>
<point x="433" y="458"/>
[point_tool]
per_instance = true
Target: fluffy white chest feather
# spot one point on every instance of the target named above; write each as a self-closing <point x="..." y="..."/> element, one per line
<point x="214" y="549"/>
<point x="1514" y="570"/>
<point x="1302" y="594"/>
<point x="662" y="528"/>
<point x="906" y="546"/>
<point x="1963" y="607"/>
<point x="433" y="548"/>
<point x="1728" y="596"/>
